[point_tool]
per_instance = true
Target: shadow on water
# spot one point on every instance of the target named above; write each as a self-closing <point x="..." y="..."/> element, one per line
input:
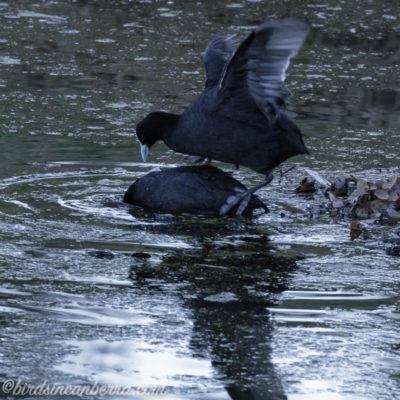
<point x="227" y="284"/>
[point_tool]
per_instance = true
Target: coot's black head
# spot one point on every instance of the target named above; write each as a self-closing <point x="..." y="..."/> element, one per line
<point x="152" y="128"/>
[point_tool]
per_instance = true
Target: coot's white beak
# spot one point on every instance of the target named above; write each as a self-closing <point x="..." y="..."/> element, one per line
<point x="145" y="151"/>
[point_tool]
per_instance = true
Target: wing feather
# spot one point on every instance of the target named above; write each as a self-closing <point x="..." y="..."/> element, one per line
<point x="218" y="52"/>
<point x="253" y="78"/>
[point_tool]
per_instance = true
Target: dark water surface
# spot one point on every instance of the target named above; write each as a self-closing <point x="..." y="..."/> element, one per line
<point x="283" y="305"/>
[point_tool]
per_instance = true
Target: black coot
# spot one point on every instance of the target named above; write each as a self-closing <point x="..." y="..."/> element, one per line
<point x="201" y="189"/>
<point x="238" y="118"/>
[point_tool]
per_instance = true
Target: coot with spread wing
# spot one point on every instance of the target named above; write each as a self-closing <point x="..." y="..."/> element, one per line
<point x="239" y="117"/>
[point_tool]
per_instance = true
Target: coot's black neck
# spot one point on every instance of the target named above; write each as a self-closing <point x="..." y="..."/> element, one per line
<point x="163" y="123"/>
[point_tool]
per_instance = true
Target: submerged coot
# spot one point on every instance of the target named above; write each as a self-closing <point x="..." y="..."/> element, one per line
<point x="189" y="189"/>
<point x="238" y="118"/>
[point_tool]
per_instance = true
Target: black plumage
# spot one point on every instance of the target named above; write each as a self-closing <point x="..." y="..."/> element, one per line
<point x="199" y="189"/>
<point x="239" y="117"/>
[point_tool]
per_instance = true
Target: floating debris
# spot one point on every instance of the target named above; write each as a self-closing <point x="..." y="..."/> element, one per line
<point x="318" y="177"/>
<point x="366" y="205"/>
<point x="307" y="185"/>
<point x="340" y="186"/>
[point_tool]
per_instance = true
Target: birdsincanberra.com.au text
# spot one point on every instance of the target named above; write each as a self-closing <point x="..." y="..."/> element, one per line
<point x="18" y="388"/>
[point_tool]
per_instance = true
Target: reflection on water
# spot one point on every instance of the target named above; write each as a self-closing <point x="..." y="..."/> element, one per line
<point x="227" y="295"/>
<point x="282" y="305"/>
<point x="369" y="108"/>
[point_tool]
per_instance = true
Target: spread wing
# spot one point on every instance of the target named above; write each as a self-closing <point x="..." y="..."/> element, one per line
<point x="251" y="84"/>
<point x="218" y="52"/>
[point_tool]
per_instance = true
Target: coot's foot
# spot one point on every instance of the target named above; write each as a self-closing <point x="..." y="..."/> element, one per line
<point x="243" y="197"/>
<point x="197" y="159"/>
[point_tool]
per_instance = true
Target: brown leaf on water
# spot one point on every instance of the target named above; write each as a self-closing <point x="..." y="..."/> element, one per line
<point x="355" y="230"/>
<point x="307" y="185"/>
<point x="355" y="225"/>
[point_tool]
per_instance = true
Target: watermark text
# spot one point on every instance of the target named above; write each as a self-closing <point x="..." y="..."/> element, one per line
<point x="17" y="388"/>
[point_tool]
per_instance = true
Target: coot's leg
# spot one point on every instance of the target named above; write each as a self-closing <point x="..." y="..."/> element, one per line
<point x="243" y="197"/>
<point x="196" y="159"/>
